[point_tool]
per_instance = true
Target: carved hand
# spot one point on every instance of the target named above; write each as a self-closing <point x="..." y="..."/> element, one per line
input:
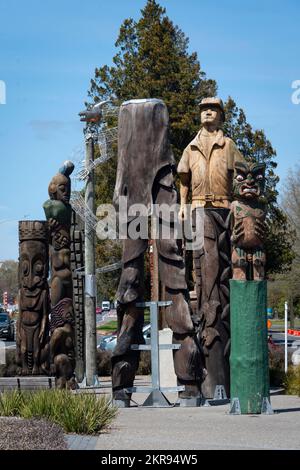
<point x="53" y="224"/>
<point x="260" y="229"/>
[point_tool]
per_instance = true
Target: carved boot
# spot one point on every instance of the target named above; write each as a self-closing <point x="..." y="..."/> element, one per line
<point x="239" y="264"/>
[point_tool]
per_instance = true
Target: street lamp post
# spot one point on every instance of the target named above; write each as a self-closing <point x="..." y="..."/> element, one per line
<point x="92" y="118"/>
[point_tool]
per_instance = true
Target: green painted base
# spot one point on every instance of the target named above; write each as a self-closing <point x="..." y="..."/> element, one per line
<point x="249" y="367"/>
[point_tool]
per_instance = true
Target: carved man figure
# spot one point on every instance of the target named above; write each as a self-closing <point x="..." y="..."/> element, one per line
<point x="33" y="327"/>
<point x="248" y="222"/>
<point x="58" y="212"/>
<point x="206" y="170"/>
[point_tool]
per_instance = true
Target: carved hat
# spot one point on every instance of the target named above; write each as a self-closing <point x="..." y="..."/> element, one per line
<point x="33" y="230"/>
<point x="62" y="177"/>
<point x="213" y="102"/>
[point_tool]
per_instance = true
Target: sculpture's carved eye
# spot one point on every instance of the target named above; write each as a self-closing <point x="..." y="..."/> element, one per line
<point x="25" y="268"/>
<point x="259" y="177"/>
<point x="239" y="178"/>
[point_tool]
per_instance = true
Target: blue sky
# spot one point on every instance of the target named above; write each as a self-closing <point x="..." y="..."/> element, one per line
<point x="48" y="53"/>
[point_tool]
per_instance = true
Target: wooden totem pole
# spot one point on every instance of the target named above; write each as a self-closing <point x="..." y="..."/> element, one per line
<point x="206" y="170"/>
<point x="248" y="293"/>
<point x="59" y="213"/>
<point x="33" y="325"/>
<point x="145" y="175"/>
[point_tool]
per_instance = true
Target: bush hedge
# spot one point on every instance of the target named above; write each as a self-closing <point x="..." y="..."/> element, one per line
<point x="75" y="413"/>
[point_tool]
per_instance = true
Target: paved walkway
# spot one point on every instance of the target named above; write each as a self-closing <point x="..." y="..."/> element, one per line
<point x="199" y="428"/>
<point x="77" y="442"/>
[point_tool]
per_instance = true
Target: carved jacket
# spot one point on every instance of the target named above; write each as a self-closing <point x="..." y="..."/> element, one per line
<point x="209" y="174"/>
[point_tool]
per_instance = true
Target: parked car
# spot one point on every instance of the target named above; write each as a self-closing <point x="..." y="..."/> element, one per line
<point x="105" y="306"/>
<point x="7" y="330"/>
<point x="108" y="342"/>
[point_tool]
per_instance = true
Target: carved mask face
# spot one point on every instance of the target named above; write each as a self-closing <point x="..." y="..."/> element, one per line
<point x="249" y="180"/>
<point x="61" y="239"/>
<point x="60" y="188"/>
<point x="33" y="269"/>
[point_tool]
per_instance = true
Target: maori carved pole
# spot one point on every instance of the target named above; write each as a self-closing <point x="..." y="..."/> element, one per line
<point x="59" y="213"/>
<point x="145" y="175"/>
<point x="248" y="291"/>
<point x="77" y="264"/>
<point x="33" y="327"/>
<point x="206" y="171"/>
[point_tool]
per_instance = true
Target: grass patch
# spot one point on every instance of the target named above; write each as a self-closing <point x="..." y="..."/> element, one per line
<point x="75" y="413"/>
<point x="113" y="324"/>
<point x="109" y="327"/>
<point x="280" y="322"/>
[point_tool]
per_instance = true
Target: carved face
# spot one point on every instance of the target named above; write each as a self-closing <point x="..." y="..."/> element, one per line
<point x="61" y="239"/>
<point x="33" y="267"/>
<point x="211" y="115"/>
<point x="249" y="180"/>
<point x="60" y="188"/>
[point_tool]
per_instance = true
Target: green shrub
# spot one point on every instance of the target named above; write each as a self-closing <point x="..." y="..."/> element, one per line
<point x="78" y="413"/>
<point x="42" y="404"/>
<point x="292" y="381"/>
<point x="11" y="403"/>
<point x="9" y="369"/>
<point x="86" y="414"/>
<point x="276" y="367"/>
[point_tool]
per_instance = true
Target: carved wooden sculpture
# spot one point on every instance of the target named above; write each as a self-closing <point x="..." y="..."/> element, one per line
<point x="58" y="212"/>
<point x="77" y="264"/>
<point x="33" y="326"/>
<point x="248" y="293"/>
<point x="145" y="175"/>
<point x="206" y="169"/>
<point x="248" y="222"/>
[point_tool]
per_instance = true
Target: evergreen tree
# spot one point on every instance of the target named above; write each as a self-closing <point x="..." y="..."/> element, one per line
<point x="153" y="61"/>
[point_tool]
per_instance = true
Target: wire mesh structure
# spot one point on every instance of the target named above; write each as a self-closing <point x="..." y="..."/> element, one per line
<point x="79" y="206"/>
<point x="109" y="268"/>
<point x="109" y="110"/>
<point x="105" y="138"/>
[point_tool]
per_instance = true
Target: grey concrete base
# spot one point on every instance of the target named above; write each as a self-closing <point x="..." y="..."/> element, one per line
<point x="157" y="399"/>
<point x="121" y="403"/>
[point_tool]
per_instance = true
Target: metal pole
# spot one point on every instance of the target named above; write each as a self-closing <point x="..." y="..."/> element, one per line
<point x="154" y="345"/>
<point x="285" y="336"/>
<point x="90" y="278"/>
